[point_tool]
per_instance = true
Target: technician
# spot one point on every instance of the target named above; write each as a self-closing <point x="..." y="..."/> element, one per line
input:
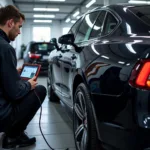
<point x="18" y="99"/>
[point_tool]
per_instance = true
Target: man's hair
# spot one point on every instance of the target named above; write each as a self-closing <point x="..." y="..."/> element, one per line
<point x="10" y="12"/>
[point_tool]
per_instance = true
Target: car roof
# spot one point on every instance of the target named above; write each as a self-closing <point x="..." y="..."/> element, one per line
<point x="119" y="5"/>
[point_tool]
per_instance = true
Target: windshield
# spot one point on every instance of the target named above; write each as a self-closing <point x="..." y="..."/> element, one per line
<point x="42" y="47"/>
<point x="142" y="12"/>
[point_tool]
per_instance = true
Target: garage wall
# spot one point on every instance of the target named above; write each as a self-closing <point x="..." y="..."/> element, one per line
<point x="6" y="2"/>
<point x="56" y="30"/>
<point x="17" y="43"/>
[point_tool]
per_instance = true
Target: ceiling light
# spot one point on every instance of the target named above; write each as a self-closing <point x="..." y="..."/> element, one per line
<point x="44" y="16"/>
<point x="90" y="3"/>
<point x="76" y="14"/>
<point x="73" y="21"/>
<point x="68" y="20"/>
<point x="138" y="2"/>
<point x="46" y="9"/>
<point x="54" y="0"/>
<point x="43" y="21"/>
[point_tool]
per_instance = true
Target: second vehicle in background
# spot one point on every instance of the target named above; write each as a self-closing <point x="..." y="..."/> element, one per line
<point x="37" y="52"/>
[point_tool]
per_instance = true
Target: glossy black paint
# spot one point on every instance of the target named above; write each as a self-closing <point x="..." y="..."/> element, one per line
<point x="104" y="64"/>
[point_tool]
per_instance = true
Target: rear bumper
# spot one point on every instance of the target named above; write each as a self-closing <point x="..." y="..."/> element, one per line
<point x="123" y="139"/>
<point x="124" y="121"/>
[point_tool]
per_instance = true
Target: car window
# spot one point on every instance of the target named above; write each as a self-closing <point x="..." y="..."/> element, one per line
<point x="75" y="26"/>
<point x="110" y="24"/>
<point x="97" y="28"/>
<point x="86" y="27"/>
<point x="41" y="47"/>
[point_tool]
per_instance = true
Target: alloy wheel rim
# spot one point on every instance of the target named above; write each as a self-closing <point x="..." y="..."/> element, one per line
<point x="80" y="126"/>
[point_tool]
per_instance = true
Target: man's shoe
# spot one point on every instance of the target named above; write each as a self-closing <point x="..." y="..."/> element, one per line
<point x="20" y="141"/>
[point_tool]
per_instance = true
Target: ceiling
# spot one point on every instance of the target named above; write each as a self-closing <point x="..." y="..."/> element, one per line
<point x="66" y="8"/>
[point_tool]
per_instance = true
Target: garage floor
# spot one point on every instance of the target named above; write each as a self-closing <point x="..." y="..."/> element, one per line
<point x="55" y="124"/>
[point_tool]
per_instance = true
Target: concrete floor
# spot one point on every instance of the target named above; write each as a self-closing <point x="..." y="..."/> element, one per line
<point x="55" y="124"/>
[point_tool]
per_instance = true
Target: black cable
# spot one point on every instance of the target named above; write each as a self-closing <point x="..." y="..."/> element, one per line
<point x="40" y="123"/>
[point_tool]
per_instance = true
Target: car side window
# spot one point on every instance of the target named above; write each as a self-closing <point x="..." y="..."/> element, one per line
<point x="97" y="28"/>
<point x="86" y="27"/>
<point x="75" y="26"/>
<point x="110" y="24"/>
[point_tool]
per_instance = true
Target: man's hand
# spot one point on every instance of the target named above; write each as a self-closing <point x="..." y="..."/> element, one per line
<point x="33" y="82"/>
<point x="19" y="69"/>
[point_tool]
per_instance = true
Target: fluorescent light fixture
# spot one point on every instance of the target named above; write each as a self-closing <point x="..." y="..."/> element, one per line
<point x="78" y="17"/>
<point x="54" y="0"/>
<point x="68" y="20"/>
<point x="44" y="16"/>
<point x="73" y="21"/>
<point x="138" y="2"/>
<point x="43" y="21"/>
<point x="76" y="14"/>
<point x="46" y="9"/>
<point x="90" y="3"/>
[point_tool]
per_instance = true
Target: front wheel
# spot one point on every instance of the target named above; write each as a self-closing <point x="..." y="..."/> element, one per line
<point x="84" y="127"/>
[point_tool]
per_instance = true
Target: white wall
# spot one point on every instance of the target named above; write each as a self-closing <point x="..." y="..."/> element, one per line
<point x="56" y="29"/>
<point x="6" y="2"/>
<point x="17" y="43"/>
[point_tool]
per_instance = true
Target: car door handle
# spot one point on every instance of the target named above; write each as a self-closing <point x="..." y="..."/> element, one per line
<point x="73" y="56"/>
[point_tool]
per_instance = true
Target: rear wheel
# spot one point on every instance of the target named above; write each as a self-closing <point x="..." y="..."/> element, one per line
<point x="51" y="95"/>
<point x="84" y="127"/>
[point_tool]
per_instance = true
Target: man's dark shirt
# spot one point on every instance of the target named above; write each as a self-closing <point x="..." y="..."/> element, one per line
<point x="12" y="88"/>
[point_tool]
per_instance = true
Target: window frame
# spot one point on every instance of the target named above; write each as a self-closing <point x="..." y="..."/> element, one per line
<point x="117" y="18"/>
<point x="92" y="26"/>
<point x="102" y="24"/>
<point x="70" y="31"/>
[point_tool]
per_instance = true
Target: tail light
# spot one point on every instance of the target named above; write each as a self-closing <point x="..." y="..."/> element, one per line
<point x="140" y="76"/>
<point x="34" y="56"/>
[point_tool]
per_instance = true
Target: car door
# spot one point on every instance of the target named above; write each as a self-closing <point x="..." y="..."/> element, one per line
<point x="71" y="58"/>
<point x="104" y="73"/>
<point x="55" y="73"/>
<point x="65" y="63"/>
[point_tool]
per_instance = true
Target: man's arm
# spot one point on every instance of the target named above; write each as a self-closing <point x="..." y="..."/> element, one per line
<point x="14" y="87"/>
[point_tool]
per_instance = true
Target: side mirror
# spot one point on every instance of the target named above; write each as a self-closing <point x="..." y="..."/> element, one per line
<point x="53" y="41"/>
<point x="66" y="39"/>
<point x="69" y="39"/>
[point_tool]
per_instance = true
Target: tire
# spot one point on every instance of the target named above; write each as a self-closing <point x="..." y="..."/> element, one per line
<point x="51" y="95"/>
<point x="84" y="127"/>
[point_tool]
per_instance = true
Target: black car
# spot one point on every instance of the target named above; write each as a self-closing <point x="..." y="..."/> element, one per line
<point x="101" y="74"/>
<point x="38" y="52"/>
